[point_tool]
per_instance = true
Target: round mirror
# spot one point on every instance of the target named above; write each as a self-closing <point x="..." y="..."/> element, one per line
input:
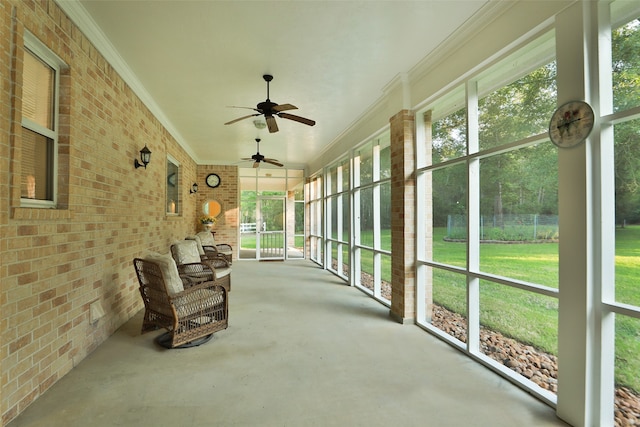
<point x="212" y="208"/>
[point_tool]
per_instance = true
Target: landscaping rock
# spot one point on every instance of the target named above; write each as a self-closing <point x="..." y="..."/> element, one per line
<point x="540" y="367"/>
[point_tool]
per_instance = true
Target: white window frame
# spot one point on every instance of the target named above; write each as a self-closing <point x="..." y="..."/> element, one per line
<point x="44" y="54"/>
<point x="178" y="183"/>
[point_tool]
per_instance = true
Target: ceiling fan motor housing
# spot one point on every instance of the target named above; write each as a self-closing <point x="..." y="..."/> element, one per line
<point x="266" y="107"/>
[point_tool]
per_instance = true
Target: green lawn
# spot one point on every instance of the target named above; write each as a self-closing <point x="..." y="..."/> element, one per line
<point x="628" y="329"/>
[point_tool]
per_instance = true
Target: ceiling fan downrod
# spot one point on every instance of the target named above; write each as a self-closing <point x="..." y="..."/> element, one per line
<point x="267" y="78"/>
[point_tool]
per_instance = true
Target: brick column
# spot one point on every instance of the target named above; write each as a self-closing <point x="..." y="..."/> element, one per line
<point x="403" y="234"/>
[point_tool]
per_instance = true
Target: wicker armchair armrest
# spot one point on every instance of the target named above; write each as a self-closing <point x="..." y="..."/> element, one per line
<point x="196" y="272"/>
<point x="188" y="281"/>
<point x="218" y="262"/>
<point x="212" y="253"/>
<point x="202" y="271"/>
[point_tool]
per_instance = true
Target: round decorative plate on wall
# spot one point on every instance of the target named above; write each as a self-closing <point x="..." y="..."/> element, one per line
<point x="571" y="124"/>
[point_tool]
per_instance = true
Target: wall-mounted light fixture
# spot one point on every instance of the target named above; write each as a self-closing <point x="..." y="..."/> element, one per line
<point x="194" y="188"/>
<point x="145" y="157"/>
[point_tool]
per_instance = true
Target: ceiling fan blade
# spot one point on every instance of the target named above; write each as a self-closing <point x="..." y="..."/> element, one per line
<point x="284" y="107"/>
<point x="297" y="119"/>
<point x="247" y="158"/>
<point x="256" y="164"/>
<point x="235" y="106"/>
<point x="273" y="162"/>
<point x="242" y="118"/>
<point x="271" y="124"/>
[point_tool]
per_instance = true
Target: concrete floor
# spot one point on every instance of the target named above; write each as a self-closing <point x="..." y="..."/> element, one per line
<point x="302" y="349"/>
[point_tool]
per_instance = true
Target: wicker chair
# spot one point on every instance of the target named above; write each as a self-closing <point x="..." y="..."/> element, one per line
<point x="208" y="243"/>
<point x="200" y="267"/>
<point x="208" y="253"/>
<point x="191" y="311"/>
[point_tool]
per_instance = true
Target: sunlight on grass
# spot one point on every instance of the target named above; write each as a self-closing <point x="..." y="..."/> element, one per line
<point x="628" y="261"/>
<point x="540" y="258"/>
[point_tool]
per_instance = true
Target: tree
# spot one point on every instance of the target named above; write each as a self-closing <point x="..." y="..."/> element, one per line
<point x="248" y="206"/>
<point x="509" y="182"/>
<point x="515" y="182"/>
<point x="626" y="94"/>
<point x="449" y="141"/>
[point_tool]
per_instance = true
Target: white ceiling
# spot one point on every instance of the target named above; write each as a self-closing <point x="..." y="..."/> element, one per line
<point x="190" y="60"/>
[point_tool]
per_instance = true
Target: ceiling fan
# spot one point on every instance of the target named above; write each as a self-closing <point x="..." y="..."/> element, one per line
<point x="257" y="158"/>
<point x="271" y="109"/>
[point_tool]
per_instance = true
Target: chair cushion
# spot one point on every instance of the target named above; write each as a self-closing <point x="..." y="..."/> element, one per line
<point x="167" y="265"/>
<point x="222" y="272"/>
<point x="187" y="251"/>
<point x="199" y="244"/>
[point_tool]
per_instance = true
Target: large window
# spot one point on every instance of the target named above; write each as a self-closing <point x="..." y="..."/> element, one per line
<point x="491" y="193"/>
<point x="40" y="88"/>
<point x="316" y="230"/>
<point x="338" y="230"/>
<point x="625" y="91"/>
<point x="372" y="217"/>
<point x="487" y="188"/>
<point x="357" y="228"/>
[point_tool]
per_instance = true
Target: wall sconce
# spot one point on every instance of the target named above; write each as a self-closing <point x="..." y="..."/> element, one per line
<point x="145" y="156"/>
<point x="194" y="188"/>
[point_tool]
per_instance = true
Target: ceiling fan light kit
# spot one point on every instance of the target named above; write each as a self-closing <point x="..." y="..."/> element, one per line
<point x="270" y="110"/>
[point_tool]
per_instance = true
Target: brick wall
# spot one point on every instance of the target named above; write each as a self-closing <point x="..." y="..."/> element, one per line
<point x="55" y="263"/>
<point x="227" y="195"/>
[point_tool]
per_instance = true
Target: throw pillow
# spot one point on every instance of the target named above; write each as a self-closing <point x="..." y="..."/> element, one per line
<point x="206" y="238"/>
<point x="187" y="251"/>
<point x="197" y="240"/>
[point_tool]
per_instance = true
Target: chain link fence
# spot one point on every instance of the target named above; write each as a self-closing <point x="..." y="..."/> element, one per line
<point x="509" y="227"/>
